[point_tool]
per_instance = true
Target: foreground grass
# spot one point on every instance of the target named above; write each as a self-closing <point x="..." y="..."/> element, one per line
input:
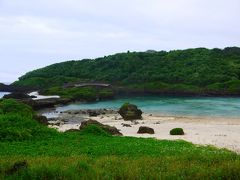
<point x="94" y="154"/>
<point x="89" y="156"/>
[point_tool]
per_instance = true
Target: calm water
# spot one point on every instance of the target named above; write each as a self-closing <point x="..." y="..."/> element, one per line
<point x="184" y="106"/>
<point x="3" y="93"/>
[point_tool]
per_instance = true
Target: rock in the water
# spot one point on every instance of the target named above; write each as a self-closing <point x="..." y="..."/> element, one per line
<point x="130" y="112"/>
<point x="145" y="130"/>
<point x="109" y="129"/>
<point x="45" y="103"/>
<point x="17" y="95"/>
<point x="91" y="112"/>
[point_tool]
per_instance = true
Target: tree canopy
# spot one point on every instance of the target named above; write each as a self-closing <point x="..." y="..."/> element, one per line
<point x="199" y="67"/>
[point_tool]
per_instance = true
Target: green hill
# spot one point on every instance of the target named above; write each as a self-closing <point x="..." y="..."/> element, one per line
<point x="199" y="71"/>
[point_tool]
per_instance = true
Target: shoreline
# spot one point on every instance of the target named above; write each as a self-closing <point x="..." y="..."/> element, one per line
<point x="220" y="132"/>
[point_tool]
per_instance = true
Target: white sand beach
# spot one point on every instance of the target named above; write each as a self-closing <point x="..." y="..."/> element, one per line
<point x="219" y="132"/>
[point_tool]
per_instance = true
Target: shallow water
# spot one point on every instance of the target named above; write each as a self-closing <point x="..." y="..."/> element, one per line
<point x="177" y="106"/>
<point x="3" y="93"/>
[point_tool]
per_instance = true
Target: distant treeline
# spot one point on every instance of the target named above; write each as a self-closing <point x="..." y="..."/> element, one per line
<point x="215" y="71"/>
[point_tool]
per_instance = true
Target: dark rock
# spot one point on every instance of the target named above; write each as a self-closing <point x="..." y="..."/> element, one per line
<point x="45" y="103"/>
<point x="135" y="122"/>
<point x="72" y="130"/>
<point x="93" y="113"/>
<point x="177" y="131"/>
<point x="126" y="125"/>
<point x="107" y="128"/>
<point x="90" y="112"/>
<point x="33" y="96"/>
<point x="17" y="95"/>
<point x="17" y="167"/>
<point x="130" y="112"/>
<point x="13" y="88"/>
<point x="41" y="119"/>
<point x="55" y="123"/>
<point x="145" y="130"/>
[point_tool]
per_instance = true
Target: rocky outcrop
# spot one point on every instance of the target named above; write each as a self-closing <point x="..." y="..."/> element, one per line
<point x="13" y="88"/>
<point x="45" y="103"/>
<point x="107" y="128"/>
<point x="17" y="95"/>
<point x="91" y="112"/>
<point x="41" y="119"/>
<point x="145" y="130"/>
<point x="126" y="125"/>
<point x="130" y="112"/>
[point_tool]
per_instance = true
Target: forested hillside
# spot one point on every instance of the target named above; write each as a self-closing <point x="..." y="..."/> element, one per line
<point x="200" y="69"/>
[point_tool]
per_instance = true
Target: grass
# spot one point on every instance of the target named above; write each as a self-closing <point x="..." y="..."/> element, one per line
<point x="74" y="155"/>
<point x="94" y="154"/>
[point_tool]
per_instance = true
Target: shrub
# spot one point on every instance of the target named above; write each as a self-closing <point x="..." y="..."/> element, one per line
<point x="14" y="127"/>
<point x="94" y="130"/>
<point x="177" y="131"/>
<point x="10" y="106"/>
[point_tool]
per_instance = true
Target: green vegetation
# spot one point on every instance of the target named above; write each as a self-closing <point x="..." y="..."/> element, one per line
<point x="196" y="71"/>
<point x="44" y="153"/>
<point x="81" y="93"/>
<point x="9" y="106"/>
<point x="17" y="124"/>
<point x="177" y="131"/>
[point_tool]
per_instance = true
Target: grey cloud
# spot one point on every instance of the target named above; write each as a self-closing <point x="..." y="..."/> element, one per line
<point x="37" y="33"/>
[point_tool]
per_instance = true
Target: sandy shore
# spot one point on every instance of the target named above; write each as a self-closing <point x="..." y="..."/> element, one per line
<point x="220" y="132"/>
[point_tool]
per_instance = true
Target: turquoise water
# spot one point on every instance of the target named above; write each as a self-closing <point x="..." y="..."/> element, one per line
<point x="3" y="93"/>
<point x="179" y="106"/>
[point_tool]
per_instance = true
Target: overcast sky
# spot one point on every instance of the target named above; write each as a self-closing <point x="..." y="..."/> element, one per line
<point x="36" y="33"/>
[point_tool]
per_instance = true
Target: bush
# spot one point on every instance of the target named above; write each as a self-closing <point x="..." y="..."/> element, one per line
<point x="177" y="131"/>
<point x="17" y="123"/>
<point x="14" y="127"/>
<point x="94" y="130"/>
<point x="10" y="106"/>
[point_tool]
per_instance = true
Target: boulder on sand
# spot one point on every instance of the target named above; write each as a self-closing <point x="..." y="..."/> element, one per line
<point x="109" y="129"/>
<point x="145" y="130"/>
<point x="130" y="112"/>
